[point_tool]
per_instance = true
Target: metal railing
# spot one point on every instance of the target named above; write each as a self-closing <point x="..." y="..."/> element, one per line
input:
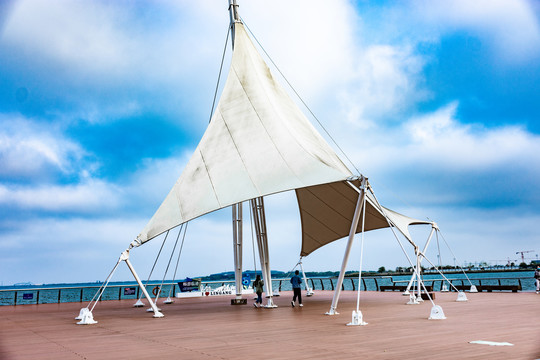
<point x="47" y="295"/>
<point x="522" y="283"/>
<point x="40" y="295"/>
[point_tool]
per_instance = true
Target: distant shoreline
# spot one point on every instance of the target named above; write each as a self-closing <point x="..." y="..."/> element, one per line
<point x="434" y="272"/>
<point x="229" y="276"/>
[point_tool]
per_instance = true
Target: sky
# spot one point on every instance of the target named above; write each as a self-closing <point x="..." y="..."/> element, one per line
<point x="102" y="104"/>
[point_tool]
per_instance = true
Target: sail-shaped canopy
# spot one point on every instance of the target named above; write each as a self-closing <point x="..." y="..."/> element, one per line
<point x="327" y="210"/>
<point x="257" y="143"/>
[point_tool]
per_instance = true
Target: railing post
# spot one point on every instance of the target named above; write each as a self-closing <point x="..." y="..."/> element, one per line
<point x="15" y="300"/>
<point x="59" y="295"/>
<point x="81" y="298"/>
<point x="352" y="282"/>
<point x="37" y="297"/>
<point x="331" y="283"/>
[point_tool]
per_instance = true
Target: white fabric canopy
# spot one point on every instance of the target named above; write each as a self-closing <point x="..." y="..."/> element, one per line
<point x="257" y="143"/>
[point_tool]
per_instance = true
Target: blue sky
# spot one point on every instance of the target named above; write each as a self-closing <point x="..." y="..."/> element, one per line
<point x="102" y="104"/>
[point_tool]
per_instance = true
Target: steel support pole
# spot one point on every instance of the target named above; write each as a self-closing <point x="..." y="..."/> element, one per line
<point x="423" y="252"/>
<point x="309" y="291"/>
<point x="259" y="221"/>
<point x="125" y="257"/>
<point x="418" y="275"/>
<point x="352" y="232"/>
<point x="237" y="247"/>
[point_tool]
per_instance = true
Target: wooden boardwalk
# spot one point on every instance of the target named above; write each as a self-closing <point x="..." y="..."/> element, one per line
<point x="210" y="328"/>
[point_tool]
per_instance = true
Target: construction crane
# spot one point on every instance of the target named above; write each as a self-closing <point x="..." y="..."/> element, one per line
<point x="523" y="252"/>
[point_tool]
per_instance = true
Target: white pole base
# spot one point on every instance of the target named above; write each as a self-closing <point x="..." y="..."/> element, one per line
<point x="86" y="317"/>
<point x="151" y="309"/>
<point x="444" y="288"/>
<point x="309" y="292"/>
<point x="139" y="303"/>
<point x="270" y="306"/>
<point x="461" y="296"/>
<point x="413" y="300"/>
<point x="473" y="289"/>
<point x="168" y="300"/>
<point x="357" y="319"/>
<point x="436" y="313"/>
<point x="158" y="314"/>
<point x="81" y="313"/>
<point x="406" y="293"/>
<point x="275" y="293"/>
<point x="332" y="311"/>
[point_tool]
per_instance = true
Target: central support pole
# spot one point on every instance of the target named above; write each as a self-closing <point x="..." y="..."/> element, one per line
<point x="237" y="248"/>
<point x="352" y="232"/>
<point x="235" y="18"/>
<point x="259" y="220"/>
<point x="125" y="257"/>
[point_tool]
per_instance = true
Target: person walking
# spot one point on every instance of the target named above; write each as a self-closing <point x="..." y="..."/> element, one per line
<point x="258" y="287"/>
<point x="297" y="293"/>
<point x="537" y="278"/>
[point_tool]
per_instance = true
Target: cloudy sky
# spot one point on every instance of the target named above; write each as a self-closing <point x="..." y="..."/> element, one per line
<point x="102" y="104"/>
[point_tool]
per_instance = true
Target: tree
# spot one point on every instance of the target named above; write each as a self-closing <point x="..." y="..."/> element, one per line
<point x="381" y="269"/>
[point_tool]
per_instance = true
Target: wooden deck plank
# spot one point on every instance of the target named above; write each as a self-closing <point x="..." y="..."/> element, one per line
<point x="210" y="328"/>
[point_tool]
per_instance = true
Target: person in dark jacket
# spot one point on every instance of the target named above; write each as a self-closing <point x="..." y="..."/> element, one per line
<point x="258" y="287"/>
<point x="296" y="286"/>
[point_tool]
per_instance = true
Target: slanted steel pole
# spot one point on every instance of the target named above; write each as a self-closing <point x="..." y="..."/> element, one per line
<point x="125" y="257"/>
<point x="433" y="227"/>
<point x="259" y="221"/>
<point x="309" y="291"/>
<point x="237" y="247"/>
<point x="352" y="232"/>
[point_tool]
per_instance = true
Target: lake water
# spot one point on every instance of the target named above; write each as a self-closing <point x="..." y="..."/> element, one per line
<point x="84" y="292"/>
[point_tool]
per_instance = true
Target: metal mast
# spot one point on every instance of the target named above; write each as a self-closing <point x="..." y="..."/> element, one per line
<point x="236" y="208"/>
<point x="233" y="13"/>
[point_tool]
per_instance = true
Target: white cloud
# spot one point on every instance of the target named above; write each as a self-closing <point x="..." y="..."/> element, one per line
<point x="91" y="196"/>
<point x="386" y="80"/>
<point x="107" y="41"/>
<point x="511" y="26"/>
<point x="30" y="149"/>
<point x="440" y="140"/>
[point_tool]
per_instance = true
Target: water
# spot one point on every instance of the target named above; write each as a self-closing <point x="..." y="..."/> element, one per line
<point x="84" y="292"/>
<point x="79" y="292"/>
